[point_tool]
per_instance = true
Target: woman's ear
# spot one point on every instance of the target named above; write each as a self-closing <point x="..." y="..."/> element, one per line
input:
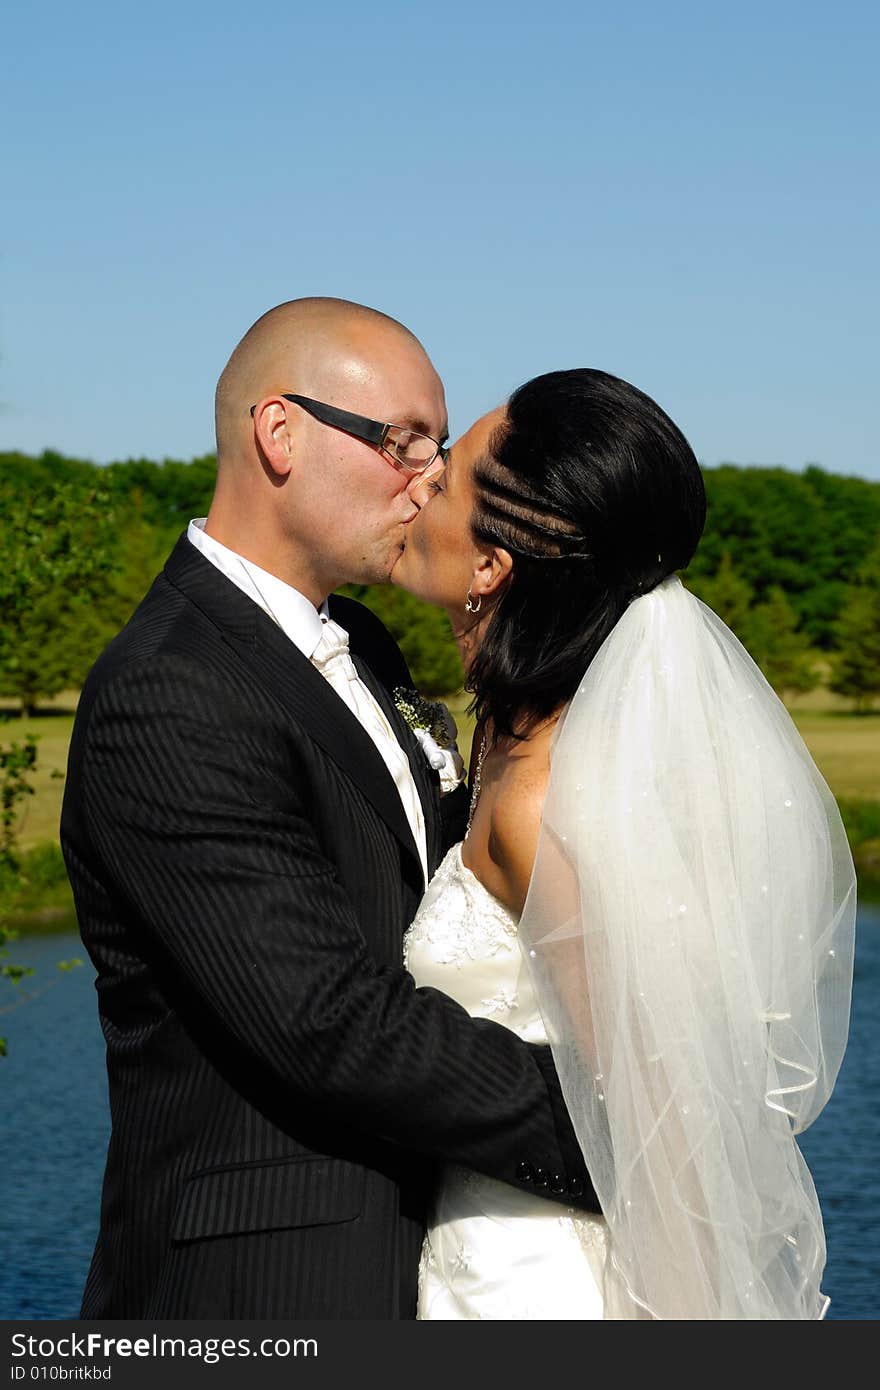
<point x="491" y="572"/>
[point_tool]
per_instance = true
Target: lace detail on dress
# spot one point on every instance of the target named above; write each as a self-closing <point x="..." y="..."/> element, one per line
<point x="426" y="1263"/>
<point x="458" y="921"/>
<point x="504" y="1000"/>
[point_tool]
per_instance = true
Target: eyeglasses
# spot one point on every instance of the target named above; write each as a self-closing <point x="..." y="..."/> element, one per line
<point x="409" y="451"/>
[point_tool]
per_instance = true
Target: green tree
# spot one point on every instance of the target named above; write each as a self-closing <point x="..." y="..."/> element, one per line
<point x="171" y="492"/>
<point x="727" y="593"/>
<point x="421" y="632"/>
<point x="139" y="552"/>
<point x="56" y="552"/>
<point x="778" y="647"/>
<point x="857" y="666"/>
<point x="804" y="532"/>
<point x="18" y="763"/>
<point x="767" y="528"/>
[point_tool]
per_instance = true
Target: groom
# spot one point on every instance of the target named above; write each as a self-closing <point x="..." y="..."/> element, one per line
<point x="249" y="825"/>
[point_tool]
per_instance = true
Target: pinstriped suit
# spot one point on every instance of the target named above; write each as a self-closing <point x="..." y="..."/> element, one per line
<point x="243" y="873"/>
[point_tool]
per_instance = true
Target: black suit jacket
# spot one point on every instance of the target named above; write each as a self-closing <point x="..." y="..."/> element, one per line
<point x="244" y="872"/>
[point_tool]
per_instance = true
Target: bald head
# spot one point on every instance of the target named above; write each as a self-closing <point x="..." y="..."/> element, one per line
<point x="307" y="500"/>
<point x="314" y="347"/>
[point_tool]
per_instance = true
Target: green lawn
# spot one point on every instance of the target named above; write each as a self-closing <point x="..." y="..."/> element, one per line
<point x="846" y="748"/>
<point x="40" y="816"/>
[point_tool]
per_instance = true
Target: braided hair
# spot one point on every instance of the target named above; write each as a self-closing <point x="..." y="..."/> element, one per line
<point x="598" y="497"/>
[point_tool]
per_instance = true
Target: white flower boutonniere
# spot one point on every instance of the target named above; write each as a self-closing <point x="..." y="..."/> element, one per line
<point x="436" y="731"/>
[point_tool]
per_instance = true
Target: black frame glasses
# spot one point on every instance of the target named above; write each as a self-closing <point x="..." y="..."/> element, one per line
<point x="370" y="431"/>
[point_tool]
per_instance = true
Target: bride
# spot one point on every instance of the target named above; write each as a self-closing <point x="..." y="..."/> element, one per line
<point x="655" y="879"/>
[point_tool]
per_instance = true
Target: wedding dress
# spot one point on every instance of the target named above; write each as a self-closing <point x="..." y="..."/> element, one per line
<point x="492" y="1250"/>
<point x="686" y="948"/>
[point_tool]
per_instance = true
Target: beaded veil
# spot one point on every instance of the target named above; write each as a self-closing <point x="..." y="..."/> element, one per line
<point x="690" y="930"/>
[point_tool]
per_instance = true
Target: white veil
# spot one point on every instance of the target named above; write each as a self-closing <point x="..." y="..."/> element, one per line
<point x="690" y="930"/>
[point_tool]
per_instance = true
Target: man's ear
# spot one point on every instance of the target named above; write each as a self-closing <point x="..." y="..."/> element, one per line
<point x="491" y="572"/>
<point x="273" y="434"/>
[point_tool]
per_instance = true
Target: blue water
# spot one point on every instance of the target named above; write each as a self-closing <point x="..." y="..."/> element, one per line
<point x="54" y="1130"/>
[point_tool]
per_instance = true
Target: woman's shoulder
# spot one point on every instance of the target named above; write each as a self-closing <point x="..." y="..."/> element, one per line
<point x="513" y="836"/>
<point x="515" y="816"/>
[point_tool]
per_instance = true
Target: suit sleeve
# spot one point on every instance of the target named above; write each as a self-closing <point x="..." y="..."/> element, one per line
<point x="244" y="904"/>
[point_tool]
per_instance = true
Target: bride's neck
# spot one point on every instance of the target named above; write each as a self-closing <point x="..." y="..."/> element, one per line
<point x="468" y="629"/>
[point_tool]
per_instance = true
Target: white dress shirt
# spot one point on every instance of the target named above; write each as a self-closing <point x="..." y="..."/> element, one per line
<point x="306" y="626"/>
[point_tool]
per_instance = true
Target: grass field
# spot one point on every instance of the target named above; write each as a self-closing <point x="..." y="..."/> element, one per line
<point x="846" y="748"/>
<point x="39" y="818"/>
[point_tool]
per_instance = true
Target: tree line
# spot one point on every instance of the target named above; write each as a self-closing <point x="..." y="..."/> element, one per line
<point x="790" y="561"/>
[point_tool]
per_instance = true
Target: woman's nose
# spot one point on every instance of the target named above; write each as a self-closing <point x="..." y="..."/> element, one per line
<point x="420" y="490"/>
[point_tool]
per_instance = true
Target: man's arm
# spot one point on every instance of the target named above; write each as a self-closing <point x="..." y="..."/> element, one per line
<point x="241" y="898"/>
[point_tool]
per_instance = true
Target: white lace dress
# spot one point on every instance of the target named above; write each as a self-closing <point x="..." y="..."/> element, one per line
<point x="493" y="1251"/>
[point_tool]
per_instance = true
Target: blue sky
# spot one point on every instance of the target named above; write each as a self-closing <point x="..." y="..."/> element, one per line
<point x="683" y="194"/>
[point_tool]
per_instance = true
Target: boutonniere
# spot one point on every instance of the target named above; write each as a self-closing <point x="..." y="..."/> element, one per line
<point x="436" y="731"/>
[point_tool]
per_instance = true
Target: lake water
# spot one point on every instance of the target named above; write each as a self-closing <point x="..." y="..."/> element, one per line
<point x="54" y="1130"/>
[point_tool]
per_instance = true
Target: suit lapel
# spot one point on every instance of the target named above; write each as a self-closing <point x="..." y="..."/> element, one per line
<point x="294" y="681"/>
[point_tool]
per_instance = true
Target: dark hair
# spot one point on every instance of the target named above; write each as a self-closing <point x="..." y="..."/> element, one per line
<point x="598" y="497"/>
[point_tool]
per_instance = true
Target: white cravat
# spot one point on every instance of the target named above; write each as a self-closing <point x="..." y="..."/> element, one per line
<point x="325" y="643"/>
<point x="332" y="658"/>
<point x="292" y="611"/>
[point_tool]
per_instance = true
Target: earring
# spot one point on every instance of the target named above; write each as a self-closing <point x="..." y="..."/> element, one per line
<point x="470" y="606"/>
